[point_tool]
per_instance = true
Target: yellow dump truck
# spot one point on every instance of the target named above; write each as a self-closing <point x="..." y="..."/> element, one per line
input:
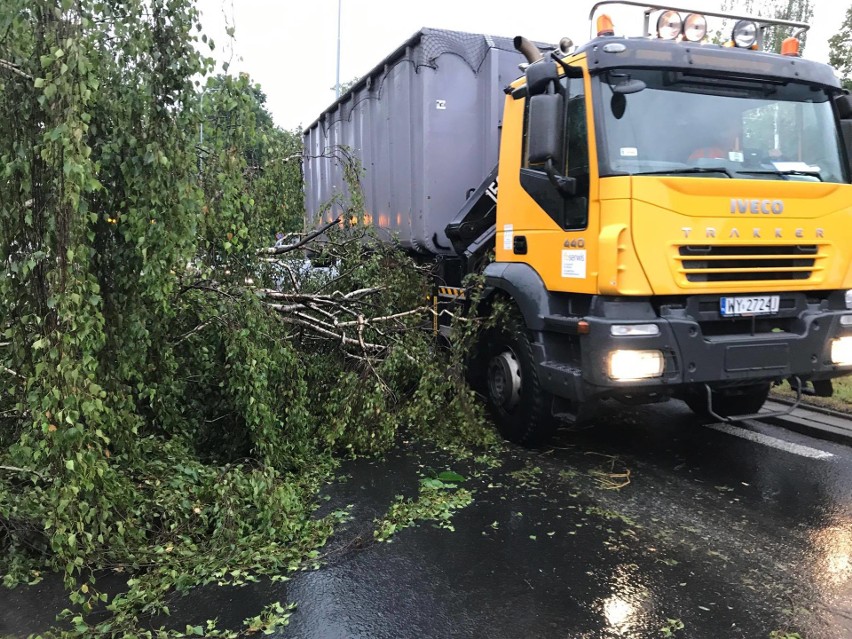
<point x="672" y="218"/>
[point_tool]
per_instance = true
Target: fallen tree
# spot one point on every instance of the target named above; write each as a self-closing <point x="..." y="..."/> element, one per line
<point x="172" y="391"/>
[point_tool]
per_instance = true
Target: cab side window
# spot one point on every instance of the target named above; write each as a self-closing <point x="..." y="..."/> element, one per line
<point x="572" y="212"/>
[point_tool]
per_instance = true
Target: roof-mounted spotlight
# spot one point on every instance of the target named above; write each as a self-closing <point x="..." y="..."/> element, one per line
<point x="744" y="34"/>
<point x="695" y="27"/>
<point x="669" y="25"/>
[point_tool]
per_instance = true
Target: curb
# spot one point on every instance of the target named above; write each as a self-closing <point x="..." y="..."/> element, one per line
<point x="804" y="405"/>
<point x="823" y="424"/>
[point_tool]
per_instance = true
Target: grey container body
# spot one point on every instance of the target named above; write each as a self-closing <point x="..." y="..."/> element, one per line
<point x="424" y="125"/>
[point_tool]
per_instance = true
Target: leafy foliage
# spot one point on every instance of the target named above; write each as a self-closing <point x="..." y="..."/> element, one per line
<point x="438" y="501"/>
<point x="840" y="50"/>
<point x="345" y="87"/>
<point x="161" y="412"/>
<point x="671" y="627"/>
<point x="250" y="173"/>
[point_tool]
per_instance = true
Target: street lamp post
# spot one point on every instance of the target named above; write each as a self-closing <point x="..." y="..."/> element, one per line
<point x="337" y="82"/>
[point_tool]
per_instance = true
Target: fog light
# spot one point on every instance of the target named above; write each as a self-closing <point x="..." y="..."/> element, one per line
<point x="625" y="330"/>
<point x="849" y="299"/>
<point x="841" y="351"/>
<point x="627" y="365"/>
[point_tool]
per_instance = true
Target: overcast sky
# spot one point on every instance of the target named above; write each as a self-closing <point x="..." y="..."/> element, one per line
<point x="290" y="46"/>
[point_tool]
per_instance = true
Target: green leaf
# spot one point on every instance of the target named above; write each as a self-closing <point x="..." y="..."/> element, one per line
<point x="450" y="476"/>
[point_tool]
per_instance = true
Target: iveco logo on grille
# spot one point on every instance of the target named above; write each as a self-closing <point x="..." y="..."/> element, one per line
<point x="757" y="207"/>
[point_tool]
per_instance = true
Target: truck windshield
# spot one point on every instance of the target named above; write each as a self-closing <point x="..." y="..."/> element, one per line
<point x="720" y="127"/>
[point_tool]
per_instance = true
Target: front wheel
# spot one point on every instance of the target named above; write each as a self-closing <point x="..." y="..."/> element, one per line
<point x="519" y="405"/>
<point x="728" y="402"/>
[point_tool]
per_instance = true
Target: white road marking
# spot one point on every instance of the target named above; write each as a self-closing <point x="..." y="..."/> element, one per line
<point x="773" y="442"/>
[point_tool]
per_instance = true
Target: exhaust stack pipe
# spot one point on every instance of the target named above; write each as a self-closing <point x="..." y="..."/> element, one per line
<point x="530" y="51"/>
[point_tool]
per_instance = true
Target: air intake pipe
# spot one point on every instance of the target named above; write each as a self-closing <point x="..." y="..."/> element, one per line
<point x="530" y="51"/>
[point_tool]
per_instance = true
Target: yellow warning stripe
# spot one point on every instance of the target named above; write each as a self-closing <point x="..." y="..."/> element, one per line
<point x="451" y="291"/>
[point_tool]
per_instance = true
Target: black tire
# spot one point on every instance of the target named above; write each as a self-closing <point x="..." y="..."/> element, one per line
<point x="729" y="402"/>
<point x="520" y="407"/>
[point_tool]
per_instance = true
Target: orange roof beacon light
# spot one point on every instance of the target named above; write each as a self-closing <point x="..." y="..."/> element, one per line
<point x="604" y="25"/>
<point x="790" y="46"/>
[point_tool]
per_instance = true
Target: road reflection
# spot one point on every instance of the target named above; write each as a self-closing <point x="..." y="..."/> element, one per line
<point x="832" y="556"/>
<point x="629" y="608"/>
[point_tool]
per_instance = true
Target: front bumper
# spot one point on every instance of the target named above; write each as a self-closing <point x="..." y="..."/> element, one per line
<point x="698" y="345"/>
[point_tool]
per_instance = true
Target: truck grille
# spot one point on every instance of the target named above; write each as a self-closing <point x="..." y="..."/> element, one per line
<point x="707" y="263"/>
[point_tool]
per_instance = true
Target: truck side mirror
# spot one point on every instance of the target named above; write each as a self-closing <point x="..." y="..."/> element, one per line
<point x="546" y="139"/>
<point x="546" y="129"/>
<point x="844" y="105"/>
<point x="540" y="75"/>
<point x="844" y="109"/>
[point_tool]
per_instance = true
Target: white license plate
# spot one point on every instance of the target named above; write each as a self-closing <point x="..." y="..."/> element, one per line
<point x="754" y="305"/>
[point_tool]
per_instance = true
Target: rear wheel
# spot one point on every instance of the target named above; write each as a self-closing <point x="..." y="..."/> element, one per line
<point x="729" y="402"/>
<point x="520" y="407"/>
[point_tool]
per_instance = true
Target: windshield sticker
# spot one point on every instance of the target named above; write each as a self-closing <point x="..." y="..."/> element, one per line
<point x="574" y="264"/>
<point x="795" y="166"/>
<point x="736" y="156"/>
<point x="629" y="152"/>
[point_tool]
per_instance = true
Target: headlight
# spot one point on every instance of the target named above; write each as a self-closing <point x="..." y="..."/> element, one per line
<point x="849" y="299"/>
<point x="628" y="365"/>
<point x="846" y="320"/>
<point x="695" y="27"/>
<point x="841" y="351"/>
<point x="669" y="25"/>
<point x="629" y="330"/>
<point x="744" y="34"/>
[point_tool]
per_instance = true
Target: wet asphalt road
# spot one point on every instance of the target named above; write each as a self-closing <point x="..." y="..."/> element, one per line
<point x="651" y="521"/>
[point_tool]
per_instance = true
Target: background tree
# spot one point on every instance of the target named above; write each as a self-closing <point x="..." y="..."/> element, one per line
<point x="840" y="50"/>
<point x="250" y="171"/>
<point x="346" y="86"/>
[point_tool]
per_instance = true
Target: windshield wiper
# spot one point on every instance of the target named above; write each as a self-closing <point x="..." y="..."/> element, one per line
<point x="783" y="174"/>
<point x="691" y="169"/>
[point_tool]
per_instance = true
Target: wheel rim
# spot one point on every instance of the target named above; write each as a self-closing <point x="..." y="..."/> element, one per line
<point x="504" y="380"/>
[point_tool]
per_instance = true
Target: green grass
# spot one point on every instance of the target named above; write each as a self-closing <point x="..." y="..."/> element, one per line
<point x="841" y="400"/>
